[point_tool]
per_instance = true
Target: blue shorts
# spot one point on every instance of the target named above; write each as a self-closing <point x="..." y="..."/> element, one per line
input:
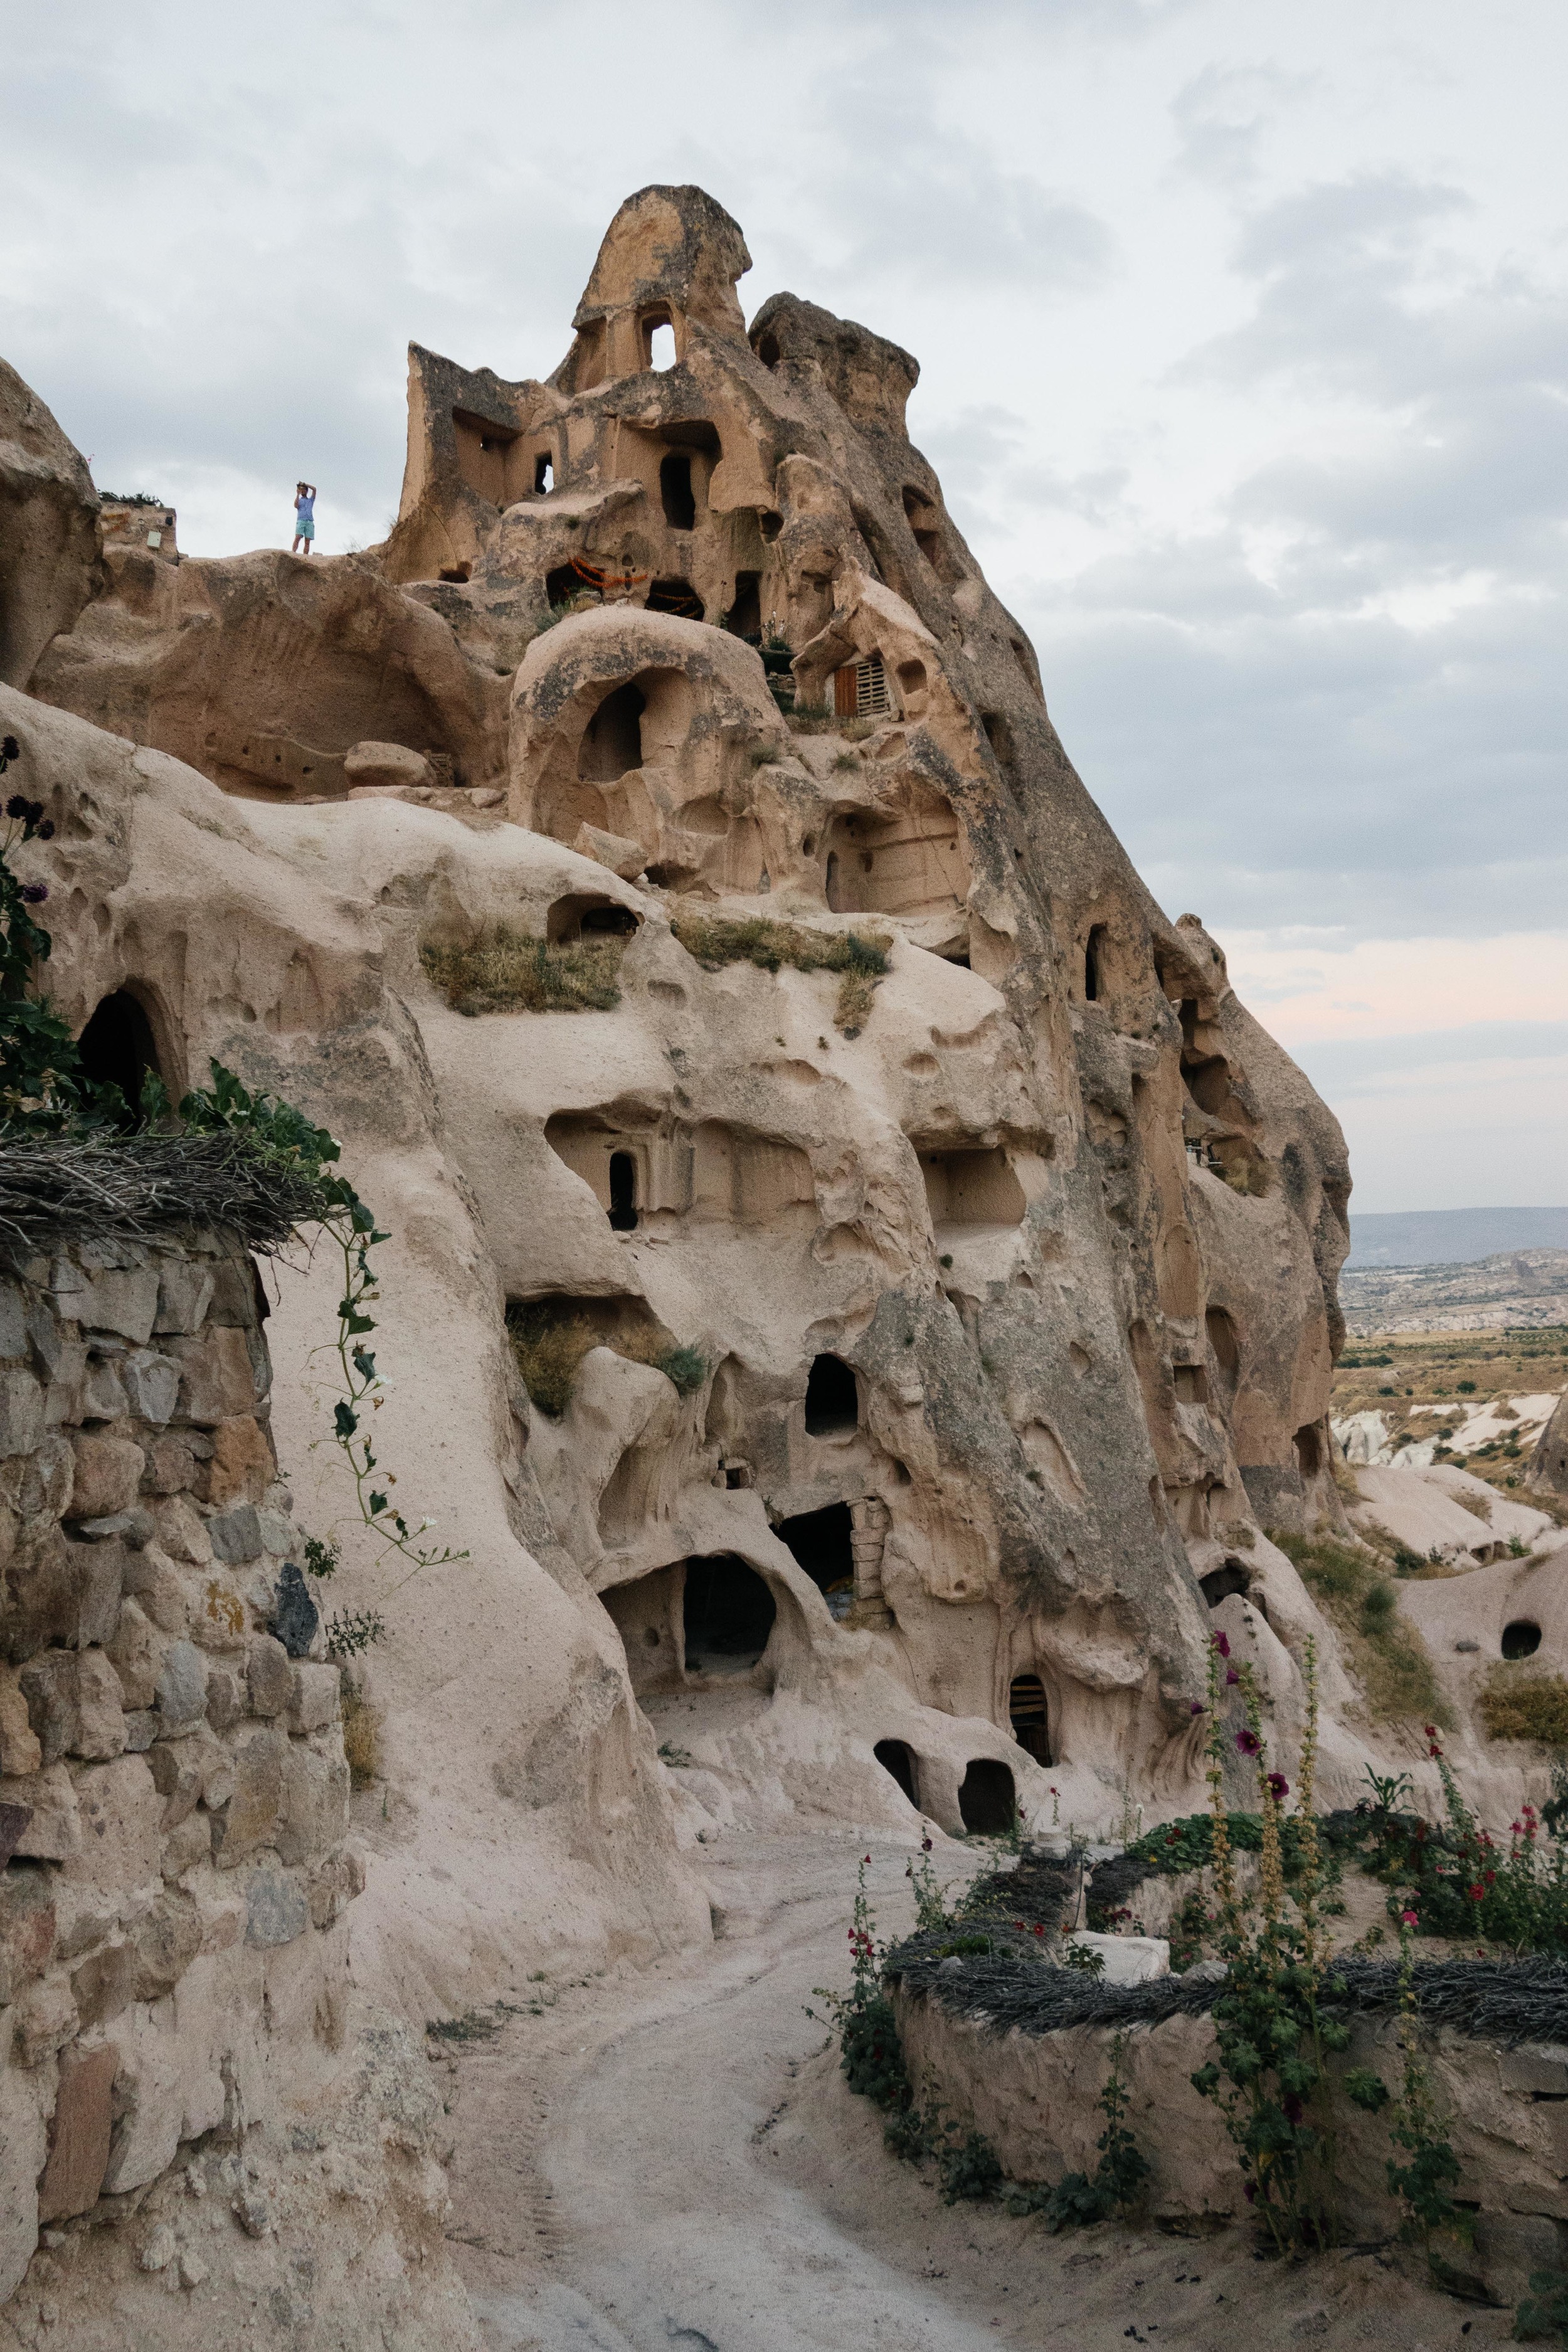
<point x="304" y="527"/>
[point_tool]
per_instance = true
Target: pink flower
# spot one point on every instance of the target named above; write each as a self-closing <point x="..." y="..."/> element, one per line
<point x="1278" y="1787"/>
<point x="1247" y="1742"/>
<point x="1410" y="1918"/>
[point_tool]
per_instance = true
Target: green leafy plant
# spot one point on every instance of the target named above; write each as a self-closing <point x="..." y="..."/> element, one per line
<point x="1079" y="2200"/>
<point x="1273" y="2040"/>
<point x="1424" y="2181"/>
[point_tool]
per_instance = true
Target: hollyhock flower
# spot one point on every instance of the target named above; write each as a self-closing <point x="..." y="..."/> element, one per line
<point x="16" y="805"/>
<point x="1231" y="1677"/>
<point x="1474" y="1894"/>
<point x="1278" y="1787"/>
<point x="1221" y="1643"/>
<point x="34" y="893"/>
<point x="1247" y="1742"/>
<point x="1195" y="1706"/>
<point x="47" y="830"/>
<point x="1410" y="1918"/>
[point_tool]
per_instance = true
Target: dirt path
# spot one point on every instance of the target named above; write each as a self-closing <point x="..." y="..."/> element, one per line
<point x="671" y="2159"/>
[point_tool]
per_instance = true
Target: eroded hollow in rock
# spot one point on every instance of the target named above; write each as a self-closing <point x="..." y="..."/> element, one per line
<point x="1028" y="1715"/>
<point x="972" y="1188"/>
<point x="728" y="1613"/>
<point x="1222" y="1582"/>
<point x="896" y="1756"/>
<point x="623" y="1192"/>
<point x="987" y="1798"/>
<point x="1521" y="1639"/>
<point x="674" y="490"/>
<point x="117" y="1049"/>
<point x="612" y="741"/>
<point x="823" y="1544"/>
<point x="832" y="1398"/>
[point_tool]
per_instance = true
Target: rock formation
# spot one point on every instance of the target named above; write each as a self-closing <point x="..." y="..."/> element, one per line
<point x="924" y="1265"/>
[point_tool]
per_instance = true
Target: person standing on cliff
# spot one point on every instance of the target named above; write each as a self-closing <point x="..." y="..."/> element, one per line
<point x="304" y="518"/>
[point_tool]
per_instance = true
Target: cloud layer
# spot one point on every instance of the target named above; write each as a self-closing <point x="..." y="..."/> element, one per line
<point x="1244" y="333"/>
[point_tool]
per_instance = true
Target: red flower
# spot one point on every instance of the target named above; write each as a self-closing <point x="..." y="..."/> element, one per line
<point x="1410" y="1918"/>
<point x="1475" y="1894"/>
<point x="1247" y="1742"/>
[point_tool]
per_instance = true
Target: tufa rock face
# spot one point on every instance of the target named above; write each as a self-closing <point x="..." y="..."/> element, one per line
<point x="48" y="537"/>
<point x="924" y="1327"/>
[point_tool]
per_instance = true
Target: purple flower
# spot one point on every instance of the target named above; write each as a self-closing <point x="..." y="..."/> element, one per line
<point x="1231" y="1677"/>
<point x="1278" y="1787"/>
<point x="1247" y="1742"/>
<point x="47" y="830"/>
<point x="1195" y="1706"/>
<point x="34" y="893"/>
<point x="1221" y="1643"/>
<point x="16" y="805"/>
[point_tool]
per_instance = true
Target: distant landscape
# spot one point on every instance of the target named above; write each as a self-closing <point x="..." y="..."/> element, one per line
<point x="1451" y="1236"/>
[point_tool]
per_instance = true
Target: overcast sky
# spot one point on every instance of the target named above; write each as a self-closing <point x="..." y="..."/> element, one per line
<point x="1243" y="332"/>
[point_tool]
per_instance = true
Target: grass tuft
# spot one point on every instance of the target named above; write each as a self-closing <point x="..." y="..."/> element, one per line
<point x="550" y="1347"/>
<point x="716" y="940"/>
<point x="1389" y="1656"/>
<point x="505" y="971"/>
<point x="1518" y="1705"/>
<point x="361" y="1737"/>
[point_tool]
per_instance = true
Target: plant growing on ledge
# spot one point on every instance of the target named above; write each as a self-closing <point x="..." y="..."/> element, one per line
<point x="44" y="1096"/>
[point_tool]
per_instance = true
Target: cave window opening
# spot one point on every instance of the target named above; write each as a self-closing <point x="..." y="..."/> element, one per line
<point x="609" y="921"/>
<point x="987" y="1798"/>
<point x="1521" y="1639"/>
<point x="728" y="1611"/>
<point x="623" y="1192"/>
<point x="1221" y="1582"/>
<point x="744" y="618"/>
<point x="1222" y="1338"/>
<point x="1029" y="1716"/>
<point x="1093" y="964"/>
<point x="768" y="351"/>
<point x="454" y="574"/>
<point x="860" y="690"/>
<point x="562" y="584"/>
<point x="895" y="1756"/>
<point x="544" y="474"/>
<point x="117" y="1049"/>
<point x="612" y="741"/>
<point x="832" y="1398"/>
<point x="1192" y="1383"/>
<point x="822" y="1543"/>
<point x="676" y="596"/>
<point x="659" y="342"/>
<point x="1308" y="1451"/>
<point x="769" y="523"/>
<point x="674" y="490"/>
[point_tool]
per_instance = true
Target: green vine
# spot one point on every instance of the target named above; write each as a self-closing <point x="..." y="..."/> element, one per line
<point x="44" y="1092"/>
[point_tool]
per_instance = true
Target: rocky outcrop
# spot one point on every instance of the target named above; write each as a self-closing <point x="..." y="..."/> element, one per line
<point x="49" y="529"/>
<point x="936" y="1261"/>
<point x="1548" y="1470"/>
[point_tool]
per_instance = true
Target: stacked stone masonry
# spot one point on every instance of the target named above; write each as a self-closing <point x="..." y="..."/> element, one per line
<point x="174" y="1793"/>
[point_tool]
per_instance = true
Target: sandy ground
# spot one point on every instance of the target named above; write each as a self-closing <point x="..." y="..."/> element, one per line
<point x="672" y="2158"/>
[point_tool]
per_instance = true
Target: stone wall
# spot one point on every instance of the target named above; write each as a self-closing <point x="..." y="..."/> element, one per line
<point x="1036" y="2098"/>
<point x="174" y="1792"/>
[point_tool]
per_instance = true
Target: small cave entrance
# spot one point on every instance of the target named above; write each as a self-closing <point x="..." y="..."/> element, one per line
<point x="623" y="1192"/>
<point x="544" y="474"/>
<point x="659" y="342"/>
<point x="117" y="1049"/>
<point x="581" y="915"/>
<point x="768" y="349"/>
<point x="1308" y="1445"/>
<point x="988" y="1797"/>
<point x="897" y="1756"/>
<point x="1094" y="964"/>
<point x="1029" y="1716"/>
<point x="1226" y="1346"/>
<point x="1222" y="1582"/>
<point x="728" y="1612"/>
<point x="744" y="617"/>
<point x="677" y="597"/>
<point x="562" y="584"/>
<point x="612" y="741"/>
<point x="676" y="492"/>
<point x="831" y="1398"/>
<point x="1521" y="1639"/>
<point x="823" y="1545"/>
